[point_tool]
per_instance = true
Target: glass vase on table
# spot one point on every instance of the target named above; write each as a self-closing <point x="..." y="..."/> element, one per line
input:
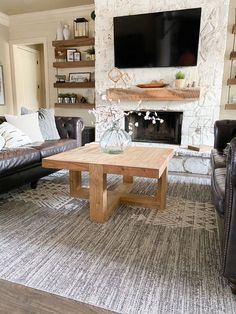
<point x="115" y="140"/>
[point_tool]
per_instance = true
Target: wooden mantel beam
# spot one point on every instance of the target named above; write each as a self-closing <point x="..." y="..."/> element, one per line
<point x="157" y="94"/>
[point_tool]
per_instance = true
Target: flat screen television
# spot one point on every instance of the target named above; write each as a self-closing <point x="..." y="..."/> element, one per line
<point x="161" y="39"/>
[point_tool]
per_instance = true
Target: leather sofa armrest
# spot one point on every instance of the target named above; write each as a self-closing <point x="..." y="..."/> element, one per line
<point x="70" y="127"/>
<point x="224" y="131"/>
<point x="2" y="119"/>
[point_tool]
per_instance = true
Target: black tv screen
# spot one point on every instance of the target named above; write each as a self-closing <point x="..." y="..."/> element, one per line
<point x="161" y="39"/>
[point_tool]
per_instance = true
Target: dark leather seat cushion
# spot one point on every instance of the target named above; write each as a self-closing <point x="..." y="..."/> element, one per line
<point x="218" y="189"/>
<point x="49" y="148"/>
<point x="218" y="159"/>
<point x="16" y="158"/>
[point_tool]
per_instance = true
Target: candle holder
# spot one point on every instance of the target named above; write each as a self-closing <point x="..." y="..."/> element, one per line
<point x="80" y="27"/>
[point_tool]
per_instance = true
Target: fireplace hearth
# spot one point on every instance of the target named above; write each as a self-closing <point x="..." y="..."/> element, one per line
<point x="168" y="132"/>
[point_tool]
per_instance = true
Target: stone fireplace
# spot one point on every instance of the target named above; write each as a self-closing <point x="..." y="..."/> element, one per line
<point x="199" y="115"/>
<point x="167" y="130"/>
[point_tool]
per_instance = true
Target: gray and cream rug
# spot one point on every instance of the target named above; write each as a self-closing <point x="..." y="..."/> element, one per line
<point x="140" y="261"/>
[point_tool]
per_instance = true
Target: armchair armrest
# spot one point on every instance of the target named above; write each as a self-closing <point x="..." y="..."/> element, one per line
<point x="229" y="260"/>
<point x="70" y="127"/>
<point x="224" y="131"/>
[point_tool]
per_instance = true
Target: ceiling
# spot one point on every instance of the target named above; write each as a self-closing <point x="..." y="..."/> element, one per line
<point x="11" y="7"/>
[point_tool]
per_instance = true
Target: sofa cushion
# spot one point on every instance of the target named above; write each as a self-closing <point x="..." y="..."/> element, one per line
<point x="28" y="124"/>
<point x="218" y="159"/>
<point x="17" y="158"/>
<point x="13" y="137"/>
<point x="47" y="122"/>
<point x="218" y="189"/>
<point x="49" y="148"/>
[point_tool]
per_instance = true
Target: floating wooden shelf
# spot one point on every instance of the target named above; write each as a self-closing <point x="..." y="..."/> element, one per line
<point x="158" y="94"/>
<point x="234" y="29"/>
<point x="75" y="85"/>
<point x="233" y="55"/>
<point x="79" y="42"/>
<point x="74" y="64"/>
<point x="231" y="82"/>
<point x="75" y="105"/>
<point x="230" y="106"/>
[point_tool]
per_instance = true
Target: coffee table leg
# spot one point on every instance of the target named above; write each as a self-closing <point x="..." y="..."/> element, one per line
<point x="162" y="190"/>
<point x="98" y="194"/>
<point x="75" y="183"/>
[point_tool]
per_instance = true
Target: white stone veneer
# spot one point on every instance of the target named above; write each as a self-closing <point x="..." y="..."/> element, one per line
<point x="199" y="116"/>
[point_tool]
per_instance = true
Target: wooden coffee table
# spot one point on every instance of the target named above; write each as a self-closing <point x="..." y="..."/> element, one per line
<point x="136" y="161"/>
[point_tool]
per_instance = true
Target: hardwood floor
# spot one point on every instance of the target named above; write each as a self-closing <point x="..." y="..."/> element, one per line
<point x="19" y="299"/>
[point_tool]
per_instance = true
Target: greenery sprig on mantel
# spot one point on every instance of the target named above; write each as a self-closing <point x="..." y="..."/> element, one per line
<point x="180" y="75"/>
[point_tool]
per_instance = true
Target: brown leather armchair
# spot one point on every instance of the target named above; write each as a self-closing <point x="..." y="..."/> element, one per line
<point x="223" y="183"/>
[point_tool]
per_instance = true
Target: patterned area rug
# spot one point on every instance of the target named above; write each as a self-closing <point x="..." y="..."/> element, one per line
<point x="140" y="261"/>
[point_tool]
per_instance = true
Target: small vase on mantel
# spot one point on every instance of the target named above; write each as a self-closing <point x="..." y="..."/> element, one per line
<point x="115" y="140"/>
<point x="180" y="83"/>
<point x="66" y="32"/>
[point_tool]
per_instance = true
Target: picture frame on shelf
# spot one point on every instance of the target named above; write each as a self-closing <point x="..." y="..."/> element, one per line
<point x="77" y="56"/>
<point x="70" y="54"/>
<point x="2" y="94"/>
<point x="60" y="53"/>
<point x="80" y="77"/>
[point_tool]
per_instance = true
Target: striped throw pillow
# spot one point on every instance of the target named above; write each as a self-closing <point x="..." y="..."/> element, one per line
<point x="2" y="142"/>
<point x="13" y="137"/>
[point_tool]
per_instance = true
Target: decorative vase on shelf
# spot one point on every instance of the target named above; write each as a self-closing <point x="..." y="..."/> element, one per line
<point x="66" y="32"/>
<point x="115" y="140"/>
<point x="60" y="32"/>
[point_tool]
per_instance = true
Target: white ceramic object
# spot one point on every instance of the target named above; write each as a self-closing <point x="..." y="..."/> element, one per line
<point x="180" y="83"/>
<point x="66" y="32"/>
<point x="60" y="35"/>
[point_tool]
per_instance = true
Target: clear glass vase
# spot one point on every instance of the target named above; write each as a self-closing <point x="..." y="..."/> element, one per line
<point x="115" y="140"/>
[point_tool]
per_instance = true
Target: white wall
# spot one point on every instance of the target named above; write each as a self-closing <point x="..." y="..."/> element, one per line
<point x="5" y="61"/>
<point x="43" y="25"/>
<point x="199" y="116"/>
<point x="230" y="46"/>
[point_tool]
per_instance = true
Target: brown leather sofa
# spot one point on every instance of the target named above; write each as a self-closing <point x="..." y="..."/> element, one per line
<point x="223" y="186"/>
<point x="23" y="165"/>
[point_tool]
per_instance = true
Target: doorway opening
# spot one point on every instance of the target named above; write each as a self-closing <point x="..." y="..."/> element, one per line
<point x="29" y="76"/>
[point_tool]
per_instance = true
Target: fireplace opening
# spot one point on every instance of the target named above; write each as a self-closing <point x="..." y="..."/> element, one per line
<point x="168" y="132"/>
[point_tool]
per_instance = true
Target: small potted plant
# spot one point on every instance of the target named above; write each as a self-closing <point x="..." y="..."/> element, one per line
<point x="179" y="79"/>
<point x="73" y="98"/>
<point x="67" y="98"/>
<point x="91" y="53"/>
<point x="60" y="98"/>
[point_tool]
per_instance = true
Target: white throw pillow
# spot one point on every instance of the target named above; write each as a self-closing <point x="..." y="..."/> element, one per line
<point x="47" y="122"/>
<point x="12" y="136"/>
<point x="28" y="124"/>
<point x="2" y="142"/>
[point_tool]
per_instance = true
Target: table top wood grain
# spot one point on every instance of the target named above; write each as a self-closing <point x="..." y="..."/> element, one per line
<point x="139" y="161"/>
